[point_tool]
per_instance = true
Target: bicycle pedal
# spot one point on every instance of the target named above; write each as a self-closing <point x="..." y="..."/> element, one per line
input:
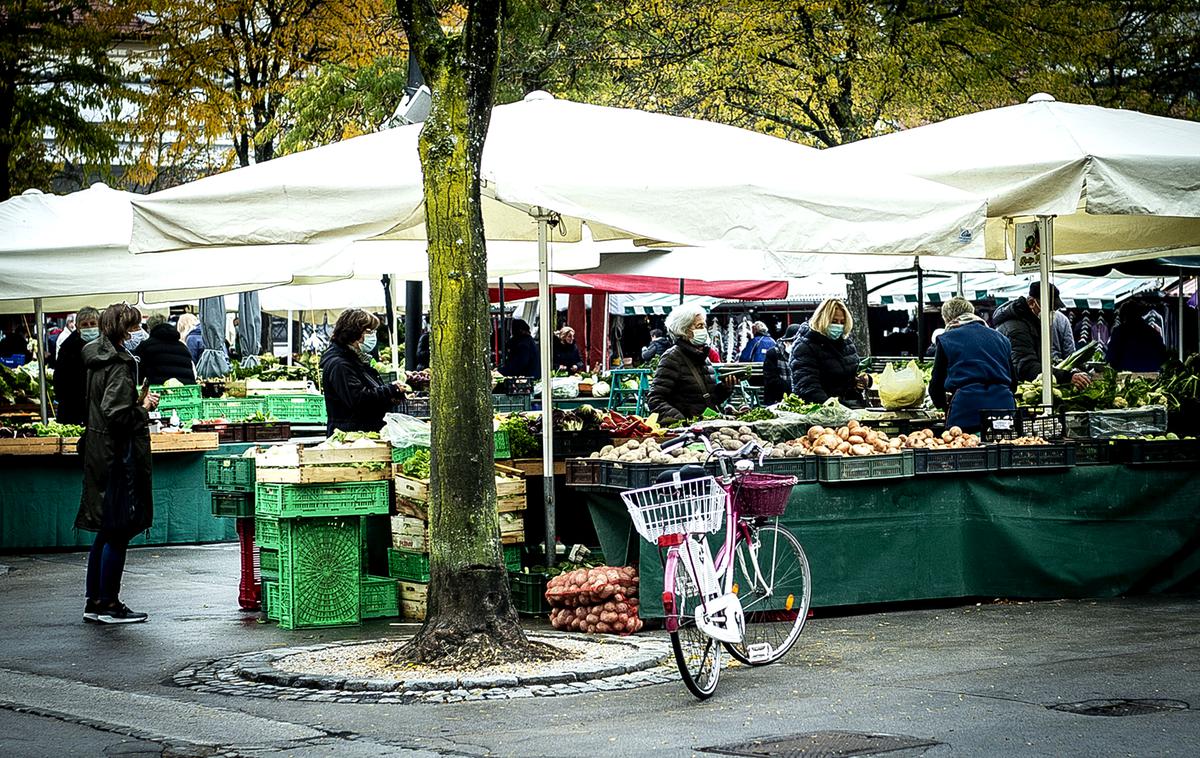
<point x="759" y="653"/>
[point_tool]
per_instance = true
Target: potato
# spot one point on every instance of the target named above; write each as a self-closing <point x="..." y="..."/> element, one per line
<point x="855" y="439"/>
<point x="852" y="424"/>
<point x="814" y="432"/>
<point x="955" y="431"/>
<point x="862" y="449"/>
<point x="830" y="440"/>
<point x="843" y="447"/>
<point x="821" y="450"/>
<point x="606" y="449"/>
<point x="844" y="433"/>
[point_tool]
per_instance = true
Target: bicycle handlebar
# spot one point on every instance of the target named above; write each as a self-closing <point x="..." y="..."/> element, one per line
<point x="696" y="433"/>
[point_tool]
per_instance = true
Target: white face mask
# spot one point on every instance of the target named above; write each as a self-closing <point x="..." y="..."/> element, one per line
<point x="369" y="342"/>
<point x="700" y="336"/>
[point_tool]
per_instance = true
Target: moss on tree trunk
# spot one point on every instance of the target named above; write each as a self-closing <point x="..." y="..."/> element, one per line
<point x="471" y="621"/>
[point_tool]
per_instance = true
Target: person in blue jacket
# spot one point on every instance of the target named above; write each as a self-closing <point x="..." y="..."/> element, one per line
<point x="971" y="368"/>
<point x="756" y="349"/>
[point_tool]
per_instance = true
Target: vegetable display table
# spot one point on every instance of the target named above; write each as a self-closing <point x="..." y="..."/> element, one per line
<point x="1094" y="531"/>
<point x="39" y="497"/>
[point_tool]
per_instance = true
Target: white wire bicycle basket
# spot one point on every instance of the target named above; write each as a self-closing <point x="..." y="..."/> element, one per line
<point x="694" y="506"/>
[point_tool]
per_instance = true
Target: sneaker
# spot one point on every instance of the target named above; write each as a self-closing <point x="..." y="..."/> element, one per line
<point x="91" y="612"/>
<point x="119" y="613"/>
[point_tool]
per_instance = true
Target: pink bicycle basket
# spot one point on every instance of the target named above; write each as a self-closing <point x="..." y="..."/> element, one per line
<point x="762" y="494"/>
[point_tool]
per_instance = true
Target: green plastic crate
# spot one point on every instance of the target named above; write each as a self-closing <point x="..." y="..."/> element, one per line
<point x="320" y="572"/>
<point x="511" y="403"/>
<point x="408" y="564"/>
<point x="529" y="593"/>
<point x="181" y="393"/>
<point x="501" y="448"/>
<point x="233" y="408"/>
<point x="834" y="468"/>
<point x="380" y="597"/>
<point x="402" y="454"/>
<point x="297" y="408"/>
<point x="512" y="558"/>
<point x="270" y="599"/>
<point x="266" y="532"/>
<point x="232" y="505"/>
<point x="268" y="564"/>
<point x="285" y="501"/>
<point x="229" y="473"/>
<point x="185" y="409"/>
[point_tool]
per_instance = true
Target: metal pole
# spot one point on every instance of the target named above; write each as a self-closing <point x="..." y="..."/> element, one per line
<point x="290" y="346"/>
<point x="503" y="341"/>
<point x="1046" y="235"/>
<point x="1197" y="277"/>
<point x="1180" y="319"/>
<point x="414" y="302"/>
<point x="41" y="356"/>
<point x="394" y="328"/>
<point x="960" y="287"/>
<point x="920" y="305"/>
<point x="605" y="363"/>
<point x="681" y="292"/>
<point x="545" y="334"/>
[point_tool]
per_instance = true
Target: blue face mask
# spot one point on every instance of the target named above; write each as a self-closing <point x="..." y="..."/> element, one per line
<point x="835" y="331"/>
<point x="89" y="333"/>
<point x="369" y="342"/>
<point x="135" y="339"/>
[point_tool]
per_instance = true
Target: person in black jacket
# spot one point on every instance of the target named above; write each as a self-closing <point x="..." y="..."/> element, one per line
<point x="1020" y="321"/>
<point x="685" y="382"/>
<point x="824" y="359"/>
<point x="566" y="352"/>
<point x="659" y="344"/>
<point x="164" y="356"/>
<point x="777" y="367"/>
<point x="70" y="376"/>
<point x="523" y="357"/>
<point x="1134" y="345"/>
<point x="118" y="492"/>
<point x="355" y="397"/>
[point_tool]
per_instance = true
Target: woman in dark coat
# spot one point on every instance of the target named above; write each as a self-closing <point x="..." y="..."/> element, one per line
<point x="685" y="382"/>
<point x="971" y="363"/>
<point x="164" y="356"/>
<point x="777" y="367"/>
<point x="824" y="359"/>
<point x="566" y="352"/>
<point x="522" y="357"/>
<point x="1134" y="345"/>
<point x="70" y="376"/>
<point x="355" y="397"/>
<point x="117" y="500"/>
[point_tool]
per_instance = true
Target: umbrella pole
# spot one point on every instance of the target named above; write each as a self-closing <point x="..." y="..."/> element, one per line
<point x="960" y="287"/>
<point x="605" y="363"/>
<point x="503" y="343"/>
<point x="394" y="287"/>
<point x="545" y="331"/>
<point x="681" y="292"/>
<point x="1180" y="319"/>
<point x="920" y="305"/>
<point x="1046" y="235"/>
<point x="289" y="337"/>
<point x="40" y="327"/>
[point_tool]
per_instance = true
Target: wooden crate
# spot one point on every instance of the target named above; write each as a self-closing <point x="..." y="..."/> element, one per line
<point x="507" y="488"/>
<point x="31" y="446"/>
<point x="512" y="528"/>
<point x="312" y="466"/>
<point x="413" y="600"/>
<point x="259" y="387"/>
<point x="409" y="533"/>
<point x="181" y="442"/>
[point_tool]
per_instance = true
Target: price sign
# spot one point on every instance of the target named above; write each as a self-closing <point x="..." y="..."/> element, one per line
<point x="1027" y="248"/>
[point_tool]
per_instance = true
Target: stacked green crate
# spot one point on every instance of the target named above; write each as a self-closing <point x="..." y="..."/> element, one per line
<point x="312" y="542"/>
<point x="232" y="408"/>
<point x="231" y="480"/>
<point x="298" y="409"/>
<point x="184" y="400"/>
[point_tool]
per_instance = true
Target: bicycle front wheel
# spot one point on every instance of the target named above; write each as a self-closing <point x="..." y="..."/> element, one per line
<point x="697" y="655"/>
<point x="771" y="578"/>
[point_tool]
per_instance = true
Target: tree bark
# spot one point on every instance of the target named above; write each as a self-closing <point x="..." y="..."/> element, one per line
<point x="470" y="618"/>
<point x="856" y="301"/>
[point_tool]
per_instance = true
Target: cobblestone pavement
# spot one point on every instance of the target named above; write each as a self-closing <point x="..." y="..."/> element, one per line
<point x="611" y="664"/>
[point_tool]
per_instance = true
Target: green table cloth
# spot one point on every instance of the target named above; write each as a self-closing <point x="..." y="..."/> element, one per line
<point x="1095" y="531"/>
<point x="39" y="497"/>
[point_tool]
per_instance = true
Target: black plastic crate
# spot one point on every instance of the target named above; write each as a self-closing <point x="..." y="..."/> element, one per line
<point x="417" y="407"/>
<point x="512" y="403"/>
<point x="517" y="385"/>
<point x="268" y="431"/>
<point x="961" y="461"/>
<point x="227" y="433"/>
<point x="1009" y="424"/>
<point x="583" y="472"/>
<point x="1089" y="452"/>
<point x="1027" y="457"/>
<point x="804" y="468"/>
<point x="529" y="593"/>
<point x="1150" y="452"/>
<point x="580" y="444"/>
<point x="849" y="468"/>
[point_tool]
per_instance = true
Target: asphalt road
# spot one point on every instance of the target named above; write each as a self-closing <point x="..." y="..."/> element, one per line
<point x="967" y="680"/>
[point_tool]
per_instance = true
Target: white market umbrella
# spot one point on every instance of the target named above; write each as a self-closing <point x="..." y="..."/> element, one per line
<point x="1098" y="180"/>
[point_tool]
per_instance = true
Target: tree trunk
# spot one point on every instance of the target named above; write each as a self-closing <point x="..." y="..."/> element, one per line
<point x="856" y="301"/>
<point x="470" y="618"/>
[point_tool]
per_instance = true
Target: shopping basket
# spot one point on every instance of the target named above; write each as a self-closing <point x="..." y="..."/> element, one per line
<point x="689" y="506"/>
<point x="762" y="494"/>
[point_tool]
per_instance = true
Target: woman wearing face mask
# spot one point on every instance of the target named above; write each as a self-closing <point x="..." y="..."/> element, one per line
<point x="355" y="397"/>
<point x="824" y="359"/>
<point x="69" y="374"/>
<point x="685" y="384"/>
<point x="117" y="500"/>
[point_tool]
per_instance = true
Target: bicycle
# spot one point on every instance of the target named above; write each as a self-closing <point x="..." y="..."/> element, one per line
<point x="753" y="596"/>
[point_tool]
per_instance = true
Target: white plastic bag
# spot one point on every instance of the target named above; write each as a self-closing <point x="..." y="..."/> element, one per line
<point x="902" y="389"/>
<point x="405" y="431"/>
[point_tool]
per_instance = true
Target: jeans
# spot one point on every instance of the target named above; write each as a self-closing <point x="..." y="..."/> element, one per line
<point x="106" y="563"/>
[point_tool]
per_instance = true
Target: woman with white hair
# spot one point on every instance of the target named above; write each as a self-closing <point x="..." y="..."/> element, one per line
<point x="756" y="349"/>
<point x="685" y="384"/>
<point x="972" y="370"/>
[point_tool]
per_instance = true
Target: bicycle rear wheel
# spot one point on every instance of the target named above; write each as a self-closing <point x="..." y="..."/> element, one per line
<point x="697" y="655"/>
<point x="771" y="578"/>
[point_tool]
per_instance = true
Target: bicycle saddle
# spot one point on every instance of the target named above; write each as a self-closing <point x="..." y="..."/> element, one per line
<point x="685" y="473"/>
